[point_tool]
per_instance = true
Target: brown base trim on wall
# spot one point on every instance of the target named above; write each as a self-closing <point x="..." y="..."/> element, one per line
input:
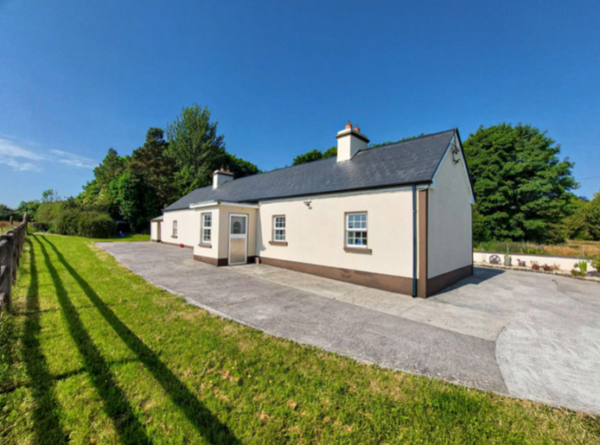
<point x="175" y="244"/>
<point x="391" y="283"/>
<point x="217" y="262"/>
<point x="436" y="284"/>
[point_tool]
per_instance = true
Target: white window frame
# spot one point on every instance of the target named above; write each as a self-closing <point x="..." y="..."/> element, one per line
<point x="355" y="229"/>
<point x="175" y="228"/>
<point x="206" y="227"/>
<point x="281" y="229"/>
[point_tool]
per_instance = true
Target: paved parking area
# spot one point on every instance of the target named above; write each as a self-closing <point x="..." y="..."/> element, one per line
<point x="528" y="335"/>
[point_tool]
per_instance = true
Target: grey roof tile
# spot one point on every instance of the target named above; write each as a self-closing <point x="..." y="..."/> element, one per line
<point x="402" y="163"/>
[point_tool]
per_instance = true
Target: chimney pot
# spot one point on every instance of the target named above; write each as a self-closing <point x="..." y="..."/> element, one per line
<point x="348" y="125"/>
<point x="356" y="128"/>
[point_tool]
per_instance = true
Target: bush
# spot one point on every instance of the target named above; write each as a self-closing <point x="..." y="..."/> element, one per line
<point x="96" y="225"/>
<point x="48" y="213"/>
<point x="40" y="226"/>
<point x="84" y="223"/>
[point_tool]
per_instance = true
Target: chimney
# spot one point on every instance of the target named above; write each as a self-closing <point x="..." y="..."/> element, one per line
<point x="220" y="177"/>
<point x="350" y="142"/>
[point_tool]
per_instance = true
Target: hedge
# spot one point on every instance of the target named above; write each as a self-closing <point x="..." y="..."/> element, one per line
<point x="89" y="224"/>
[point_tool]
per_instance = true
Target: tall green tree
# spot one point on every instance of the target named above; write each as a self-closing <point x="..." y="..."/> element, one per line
<point x="137" y="201"/>
<point x="521" y="186"/>
<point x="196" y="147"/>
<point x="29" y="207"/>
<point x="98" y="193"/>
<point x="584" y="224"/>
<point x="156" y="168"/>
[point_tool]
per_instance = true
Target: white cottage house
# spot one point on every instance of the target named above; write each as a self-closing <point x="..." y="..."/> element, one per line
<point x="396" y="217"/>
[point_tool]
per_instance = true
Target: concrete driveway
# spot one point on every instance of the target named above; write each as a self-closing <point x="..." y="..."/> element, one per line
<point x="527" y="335"/>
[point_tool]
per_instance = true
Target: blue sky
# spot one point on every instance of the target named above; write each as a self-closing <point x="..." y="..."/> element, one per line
<point x="78" y="77"/>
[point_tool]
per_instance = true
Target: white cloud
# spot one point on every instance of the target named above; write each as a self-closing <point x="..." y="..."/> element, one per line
<point x="73" y="159"/>
<point x="21" y="159"/>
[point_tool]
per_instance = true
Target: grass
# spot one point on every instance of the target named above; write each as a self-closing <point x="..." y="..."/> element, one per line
<point x="93" y="354"/>
<point x="575" y="249"/>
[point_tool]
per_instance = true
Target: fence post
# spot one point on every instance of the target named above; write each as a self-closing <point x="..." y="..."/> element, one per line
<point x="8" y="280"/>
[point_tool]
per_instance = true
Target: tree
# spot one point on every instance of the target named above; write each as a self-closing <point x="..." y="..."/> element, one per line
<point x="239" y="167"/>
<point x="584" y="224"/>
<point x="29" y="207"/>
<point x="138" y="202"/>
<point x="6" y="213"/>
<point x="309" y="156"/>
<point x="155" y="168"/>
<point x="331" y="152"/>
<point x="97" y="194"/>
<point x="50" y="196"/>
<point x="520" y="184"/>
<point x="196" y="148"/>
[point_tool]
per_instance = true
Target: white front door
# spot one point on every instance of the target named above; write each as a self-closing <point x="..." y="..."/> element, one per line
<point x="238" y="239"/>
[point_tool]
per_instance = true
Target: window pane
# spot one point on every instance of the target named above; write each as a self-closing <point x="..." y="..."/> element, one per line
<point x="238" y="225"/>
<point x="357" y="221"/>
<point x="279" y="235"/>
<point x="206" y="235"/>
<point x="208" y="220"/>
<point x="355" y="238"/>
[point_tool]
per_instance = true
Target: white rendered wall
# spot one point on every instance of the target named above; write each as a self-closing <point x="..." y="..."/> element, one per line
<point x="154" y="230"/>
<point x="449" y="220"/>
<point x="188" y="227"/>
<point x="316" y="235"/>
<point x="213" y="250"/>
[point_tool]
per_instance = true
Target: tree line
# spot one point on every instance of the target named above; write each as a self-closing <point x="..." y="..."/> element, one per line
<point x="135" y="188"/>
<point x="524" y="191"/>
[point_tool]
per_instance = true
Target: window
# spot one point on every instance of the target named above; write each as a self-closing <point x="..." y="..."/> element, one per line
<point x="356" y="230"/>
<point x="175" y="229"/>
<point x="206" y="228"/>
<point x="279" y="228"/>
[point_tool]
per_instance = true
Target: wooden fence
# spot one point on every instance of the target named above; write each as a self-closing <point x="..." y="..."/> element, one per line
<point x="11" y="246"/>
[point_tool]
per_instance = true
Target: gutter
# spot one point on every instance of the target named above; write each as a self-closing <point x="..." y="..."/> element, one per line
<point x="414" y="202"/>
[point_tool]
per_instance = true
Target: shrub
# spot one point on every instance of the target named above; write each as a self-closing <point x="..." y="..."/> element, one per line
<point x="547" y="268"/>
<point x="89" y="224"/>
<point x="96" y="225"/>
<point x="48" y="213"/>
<point x="535" y="265"/>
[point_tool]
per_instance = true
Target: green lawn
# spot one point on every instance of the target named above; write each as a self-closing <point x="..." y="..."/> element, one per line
<point x="93" y="354"/>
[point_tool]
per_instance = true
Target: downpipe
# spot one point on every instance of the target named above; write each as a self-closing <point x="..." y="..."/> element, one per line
<point x="414" y="204"/>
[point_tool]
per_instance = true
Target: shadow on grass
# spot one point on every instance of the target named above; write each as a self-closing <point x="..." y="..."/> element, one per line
<point x="115" y="401"/>
<point x="203" y="420"/>
<point x="46" y="423"/>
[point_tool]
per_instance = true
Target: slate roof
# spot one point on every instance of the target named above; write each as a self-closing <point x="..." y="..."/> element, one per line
<point x="403" y="163"/>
